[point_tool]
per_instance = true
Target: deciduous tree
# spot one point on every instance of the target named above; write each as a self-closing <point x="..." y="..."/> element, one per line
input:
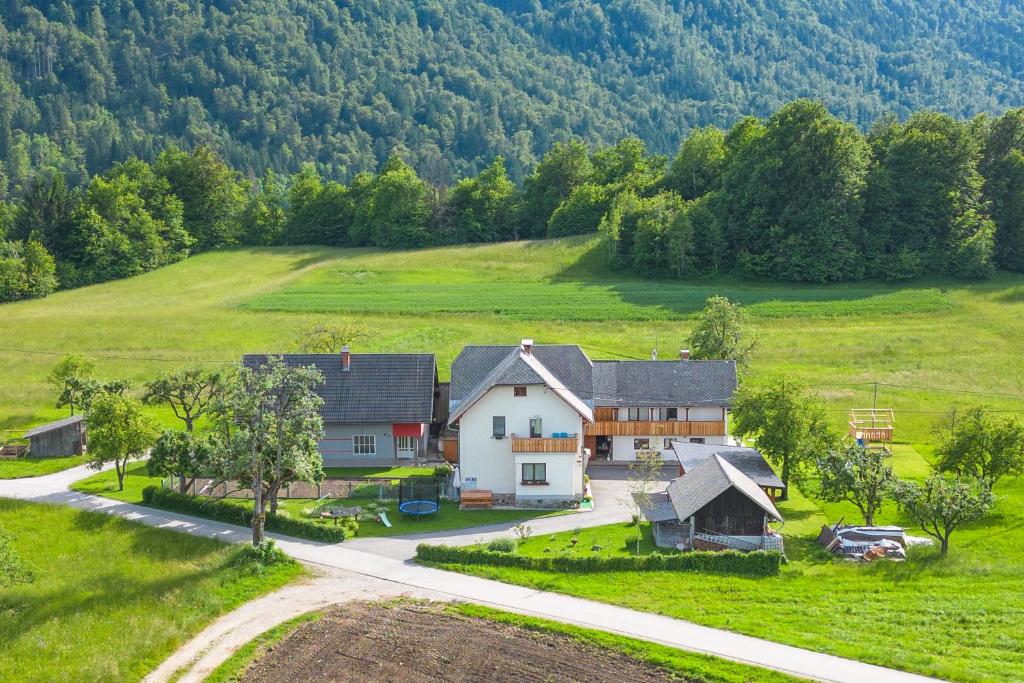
<point x="721" y="333"/>
<point x="189" y="392"/>
<point x="856" y="475"/>
<point x="786" y="424"/>
<point x="940" y="505"/>
<point x="119" y="430"/>
<point x="981" y="446"/>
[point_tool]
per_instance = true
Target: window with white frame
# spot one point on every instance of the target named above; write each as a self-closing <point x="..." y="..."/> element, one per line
<point x="668" y="443"/>
<point x="671" y="413"/>
<point x="641" y="444"/>
<point x="364" y="444"/>
<point x="498" y="426"/>
<point x="519" y="392"/>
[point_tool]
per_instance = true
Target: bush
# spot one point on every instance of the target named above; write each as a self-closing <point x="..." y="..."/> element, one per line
<point x="265" y="554"/>
<point x="223" y="511"/>
<point x="757" y="563"/>
<point x="502" y="545"/>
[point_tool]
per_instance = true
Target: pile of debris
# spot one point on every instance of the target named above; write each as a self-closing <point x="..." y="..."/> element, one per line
<point x="867" y="543"/>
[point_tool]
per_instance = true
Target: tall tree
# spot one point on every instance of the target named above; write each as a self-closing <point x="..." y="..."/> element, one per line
<point x="268" y="425"/>
<point x="856" y="475"/>
<point x="181" y="455"/>
<point x="119" y="430"/>
<point x="397" y="214"/>
<point x="565" y="167"/>
<point x="697" y="169"/>
<point x="785" y="424"/>
<point x="483" y="205"/>
<point x="792" y="197"/>
<point x="1002" y="166"/>
<point x="925" y="212"/>
<point x="329" y="336"/>
<point x="722" y="333"/>
<point x="211" y="194"/>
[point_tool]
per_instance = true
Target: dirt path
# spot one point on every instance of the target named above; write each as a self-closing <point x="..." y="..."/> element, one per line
<point x="411" y="643"/>
<point x="195" y="660"/>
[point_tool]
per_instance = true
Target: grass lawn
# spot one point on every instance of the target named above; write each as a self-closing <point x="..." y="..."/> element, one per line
<point x="954" y="618"/>
<point x="377" y="472"/>
<point x="111" y="598"/>
<point x="448" y="517"/>
<point x="217" y="306"/>
<point x="34" y="467"/>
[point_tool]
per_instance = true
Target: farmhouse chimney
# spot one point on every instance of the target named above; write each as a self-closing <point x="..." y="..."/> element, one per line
<point x="527" y="346"/>
<point x="346" y="358"/>
<point x="684" y="354"/>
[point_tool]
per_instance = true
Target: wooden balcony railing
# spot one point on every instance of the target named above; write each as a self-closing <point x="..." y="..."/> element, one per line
<point x="655" y="428"/>
<point x="548" y="444"/>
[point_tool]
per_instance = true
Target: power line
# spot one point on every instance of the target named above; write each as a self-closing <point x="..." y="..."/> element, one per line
<point x="112" y="357"/>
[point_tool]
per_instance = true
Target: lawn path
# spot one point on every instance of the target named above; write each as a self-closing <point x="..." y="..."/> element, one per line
<point x="210" y="648"/>
<point x="409" y="576"/>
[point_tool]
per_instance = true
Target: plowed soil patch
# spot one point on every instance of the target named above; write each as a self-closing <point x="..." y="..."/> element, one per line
<point x="417" y="642"/>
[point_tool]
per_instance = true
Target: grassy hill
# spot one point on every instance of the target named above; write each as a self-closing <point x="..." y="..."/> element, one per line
<point x="930" y="345"/>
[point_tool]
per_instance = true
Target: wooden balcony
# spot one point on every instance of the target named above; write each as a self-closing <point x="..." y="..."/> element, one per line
<point x="548" y="444"/>
<point x="655" y="428"/>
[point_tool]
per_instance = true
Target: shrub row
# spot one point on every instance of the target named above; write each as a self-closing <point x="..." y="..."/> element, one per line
<point x="757" y="563"/>
<point x="223" y="511"/>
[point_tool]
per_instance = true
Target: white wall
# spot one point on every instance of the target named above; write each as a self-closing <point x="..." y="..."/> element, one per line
<point x="490" y="461"/>
<point x="564" y="473"/>
<point x="622" y="446"/>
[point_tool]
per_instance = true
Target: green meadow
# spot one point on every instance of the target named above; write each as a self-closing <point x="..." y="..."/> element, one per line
<point x="930" y="345"/>
<point x="959" y="618"/>
<point x="111" y="599"/>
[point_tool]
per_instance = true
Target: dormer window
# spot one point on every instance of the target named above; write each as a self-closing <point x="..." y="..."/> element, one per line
<point x="519" y="392"/>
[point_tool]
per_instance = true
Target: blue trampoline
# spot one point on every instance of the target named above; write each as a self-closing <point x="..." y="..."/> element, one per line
<point x="418" y="508"/>
<point x="419" y="496"/>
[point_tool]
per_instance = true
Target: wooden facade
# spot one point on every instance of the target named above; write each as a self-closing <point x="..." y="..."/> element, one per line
<point x="544" y="444"/>
<point x="655" y="428"/>
<point x="732" y="514"/>
<point x="60" y="441"/>
<point x="450" y="449"/>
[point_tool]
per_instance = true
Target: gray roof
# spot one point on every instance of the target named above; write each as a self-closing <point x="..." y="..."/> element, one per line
<point x="377" y="388"/>
<point x="710" y="479"/>
<point x="566" y="362"/>
<point x="660" y="508"/>
<point x="519" y="367"/>
<point x="669" y="384"/>
<point x="50" y="426"/>
<point x="749" y="461"/>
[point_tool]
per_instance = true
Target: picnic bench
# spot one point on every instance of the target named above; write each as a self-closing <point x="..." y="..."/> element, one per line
<point x="478" y="499"/>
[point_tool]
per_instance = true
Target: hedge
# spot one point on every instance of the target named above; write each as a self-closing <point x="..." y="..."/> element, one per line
<point x="756" y="563"/>
<point x="223" y="511"/>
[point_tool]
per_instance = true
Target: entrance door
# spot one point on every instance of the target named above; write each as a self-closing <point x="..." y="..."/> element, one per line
<point x="405" y="447"/>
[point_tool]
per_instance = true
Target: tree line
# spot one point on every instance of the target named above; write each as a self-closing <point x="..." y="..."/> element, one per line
<point x="453" y="83"/>
<point x="801" y="196"/>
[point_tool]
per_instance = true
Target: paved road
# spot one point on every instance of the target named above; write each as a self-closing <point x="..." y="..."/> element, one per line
<point x="642" y="625"/>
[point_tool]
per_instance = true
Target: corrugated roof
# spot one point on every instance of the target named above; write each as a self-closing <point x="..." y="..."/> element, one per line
<point x="377" y="388"/>
<point x="50" y="426"/>
<point x="749" y="461"/>
<point x="669" y="384"/>
<point x="710" y="479"/>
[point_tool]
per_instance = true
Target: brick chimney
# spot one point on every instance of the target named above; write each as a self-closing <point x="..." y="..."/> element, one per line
<point x="346" y="358"/>
<point x="527" y="346"/>
<point x="684" y="354"/>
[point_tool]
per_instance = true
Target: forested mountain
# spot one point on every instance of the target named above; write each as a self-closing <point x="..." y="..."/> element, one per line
<point x="450" y="84"/>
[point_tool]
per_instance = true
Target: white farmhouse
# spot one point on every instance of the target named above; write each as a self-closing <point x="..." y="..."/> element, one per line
<point x="529" y="417"/>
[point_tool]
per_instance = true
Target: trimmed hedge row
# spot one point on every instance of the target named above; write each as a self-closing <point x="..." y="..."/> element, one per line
<point x="223" y="511"/>
<point x="756" y="563"/>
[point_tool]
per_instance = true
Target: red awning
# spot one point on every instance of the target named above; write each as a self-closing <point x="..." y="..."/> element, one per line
<point x="407" y="430"/>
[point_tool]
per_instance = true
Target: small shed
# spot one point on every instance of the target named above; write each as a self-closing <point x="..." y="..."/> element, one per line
<point x="713" y="505"/>
<point x="57" y="439"/>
